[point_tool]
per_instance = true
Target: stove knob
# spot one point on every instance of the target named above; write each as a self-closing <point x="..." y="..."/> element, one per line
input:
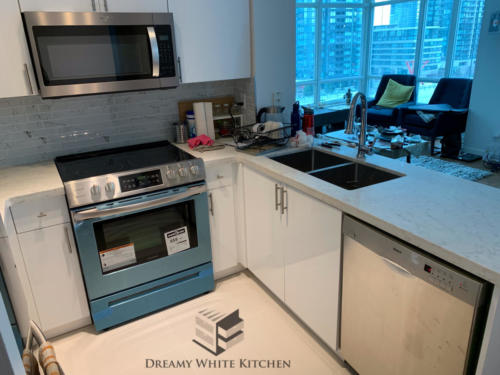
<point x="95" y="190"/>
<point x="171" y="174"/>
<point x="183" y="172"/>
<point x="194" y="169"/>
<point x="110" y="188"/>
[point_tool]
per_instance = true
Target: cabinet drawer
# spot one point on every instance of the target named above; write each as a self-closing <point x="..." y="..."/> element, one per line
<point x="39" y="212"/>
<point x="219" y="175"/>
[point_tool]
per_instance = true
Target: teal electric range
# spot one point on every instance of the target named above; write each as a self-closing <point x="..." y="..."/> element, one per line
<point x="140" y="220"/>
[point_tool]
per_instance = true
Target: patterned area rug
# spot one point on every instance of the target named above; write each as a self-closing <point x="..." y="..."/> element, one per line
<point x="454" y="169"/>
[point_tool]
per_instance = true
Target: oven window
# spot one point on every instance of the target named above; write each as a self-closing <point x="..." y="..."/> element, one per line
<point x="87" y="54"/>
<point x="142" y="237"/>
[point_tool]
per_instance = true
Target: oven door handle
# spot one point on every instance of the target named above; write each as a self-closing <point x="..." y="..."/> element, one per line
<point x="95" y="213"/>
<point x="155" y="51"/>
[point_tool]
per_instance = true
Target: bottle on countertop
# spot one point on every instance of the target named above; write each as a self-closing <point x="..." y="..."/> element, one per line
<point x="191" y="124"/>
<point x="295" y="118"/>
<point x="308" y="121"/>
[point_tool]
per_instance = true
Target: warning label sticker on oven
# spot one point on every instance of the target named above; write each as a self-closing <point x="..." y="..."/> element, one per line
<point x="177" y="240"/>
<point x="117" y="257"/>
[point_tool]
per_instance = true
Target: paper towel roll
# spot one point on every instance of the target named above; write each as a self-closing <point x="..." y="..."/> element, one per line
<point x="199" y="118"/>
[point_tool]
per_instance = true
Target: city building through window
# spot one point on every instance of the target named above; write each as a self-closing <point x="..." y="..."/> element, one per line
<point x="350" y="44"/>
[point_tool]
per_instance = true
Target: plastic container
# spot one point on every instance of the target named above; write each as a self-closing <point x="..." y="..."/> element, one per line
<point x="308" y="124"/>
<point x="191" y="124"/>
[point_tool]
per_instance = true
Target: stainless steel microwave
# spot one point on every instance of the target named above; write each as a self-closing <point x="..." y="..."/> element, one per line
<point x="92" y="53"/>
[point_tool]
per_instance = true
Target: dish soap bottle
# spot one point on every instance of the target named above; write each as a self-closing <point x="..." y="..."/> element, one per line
<point x="295" y="118"/>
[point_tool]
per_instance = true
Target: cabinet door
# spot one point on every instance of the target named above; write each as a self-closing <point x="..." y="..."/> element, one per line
<point x="134" y="5"/>
<point x="223" y="229"/>
<point x="212" y="38"/>
<point x="59" y="5"/>
<point x="312" y="263"/>
<point x="54" y="272"/>
<point x="16" y="74"/>
<point x="264" y="233"/>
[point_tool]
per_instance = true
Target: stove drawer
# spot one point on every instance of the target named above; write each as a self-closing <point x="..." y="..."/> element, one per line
<point x="219" y="175"/>
<point x="39" y="212"/>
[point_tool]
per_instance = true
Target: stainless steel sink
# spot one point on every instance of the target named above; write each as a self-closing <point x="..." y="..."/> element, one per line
<point x="339" y="171"/>
<point x="354" y="176"/>
<point x="310" y="160"/>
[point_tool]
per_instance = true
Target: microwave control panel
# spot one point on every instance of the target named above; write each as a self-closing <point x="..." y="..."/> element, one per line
<point x="166" y="49"/>
<point x="140" y="180"/>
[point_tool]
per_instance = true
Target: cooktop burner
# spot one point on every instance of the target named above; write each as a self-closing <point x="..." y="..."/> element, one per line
<point x="100" y="176"/>
<point x="116" y="160"/>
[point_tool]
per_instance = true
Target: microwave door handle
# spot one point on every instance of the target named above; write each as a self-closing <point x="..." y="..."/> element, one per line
<point x="155" y="51"/>
<point x="95" y="213"/>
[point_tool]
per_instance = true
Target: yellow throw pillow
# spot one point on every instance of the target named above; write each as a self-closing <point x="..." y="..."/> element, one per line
<point x="395" y="94"/>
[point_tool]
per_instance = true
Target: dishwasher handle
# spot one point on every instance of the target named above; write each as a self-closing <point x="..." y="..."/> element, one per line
<point x="396" y="267"/>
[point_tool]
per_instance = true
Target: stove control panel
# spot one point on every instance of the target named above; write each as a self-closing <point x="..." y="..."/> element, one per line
<point x="124" y="184"/>
<point x="140" y="180"/>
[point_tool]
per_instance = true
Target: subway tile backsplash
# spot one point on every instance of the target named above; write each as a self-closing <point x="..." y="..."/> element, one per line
<point x="34" y="130"/>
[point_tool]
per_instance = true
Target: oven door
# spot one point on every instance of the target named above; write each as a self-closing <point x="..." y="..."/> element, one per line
<point x="133" y="241"/>
<point x="89" y="53"/>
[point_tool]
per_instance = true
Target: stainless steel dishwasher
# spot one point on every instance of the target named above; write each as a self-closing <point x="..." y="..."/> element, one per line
<point x="406" y="312"/>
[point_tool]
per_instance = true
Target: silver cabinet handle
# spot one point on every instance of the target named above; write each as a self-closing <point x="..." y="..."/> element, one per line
<point x="284" y="206"/>
<point x="70" y="248"/>
<point x="93" y="5"/>
<point x="276" y="201"/>
<point x="155" y="52"/>
<point x="210" y="197"/>
<point x="105" y="5"/>
<point x="27" y="72"/>
<point x="41" y="214"/>
<point x="180" y="69"/>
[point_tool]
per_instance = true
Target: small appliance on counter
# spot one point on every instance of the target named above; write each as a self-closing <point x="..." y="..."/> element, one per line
<point x="141" y="222"/>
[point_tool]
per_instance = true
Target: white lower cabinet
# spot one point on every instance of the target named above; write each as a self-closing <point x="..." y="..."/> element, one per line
<point x="223" y="229"/>
<point x="54" y="273"/>
<point x="295" y="250"/>
<point x="264" y="231"/>
<point x="312" y="263"/>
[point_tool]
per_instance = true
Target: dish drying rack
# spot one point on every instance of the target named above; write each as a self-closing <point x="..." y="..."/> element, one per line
<point x="246" y="137"/>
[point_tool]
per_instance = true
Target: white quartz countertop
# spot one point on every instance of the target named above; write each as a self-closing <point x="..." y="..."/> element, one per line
<point x="21" y="181"/>
<point x="452" y="218"/>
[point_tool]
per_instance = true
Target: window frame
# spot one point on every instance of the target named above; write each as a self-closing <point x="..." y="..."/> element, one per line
<point x="318" y="5"/>
<point x="368" y="7"/>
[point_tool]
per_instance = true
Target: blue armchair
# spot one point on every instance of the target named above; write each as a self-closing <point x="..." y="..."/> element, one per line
<point x="450" y="105"/>
<point x="381" y="116"/>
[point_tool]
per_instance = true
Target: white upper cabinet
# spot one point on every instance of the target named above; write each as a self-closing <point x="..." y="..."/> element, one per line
<point x="59" y="5"/>
<point x="134" y="6"/>
<point x="16" y="73"/>
<point x="212" y="39"/>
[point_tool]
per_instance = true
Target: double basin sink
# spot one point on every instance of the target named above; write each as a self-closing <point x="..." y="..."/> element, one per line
<point x="343" y="172"/>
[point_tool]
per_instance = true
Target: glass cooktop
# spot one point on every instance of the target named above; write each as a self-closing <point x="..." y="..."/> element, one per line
<point x="122" y="159"/>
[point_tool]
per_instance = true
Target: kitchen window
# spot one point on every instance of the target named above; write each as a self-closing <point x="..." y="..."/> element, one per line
<point x="350" y="44"/>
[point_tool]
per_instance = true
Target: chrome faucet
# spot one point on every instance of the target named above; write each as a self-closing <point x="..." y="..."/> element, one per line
<point x="362" y="147"/>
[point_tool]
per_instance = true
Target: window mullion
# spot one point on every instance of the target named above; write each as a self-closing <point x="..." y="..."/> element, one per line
<point x="452" y="37"/>
<point x="319" y="20"/>
<point x="420" y="42"/>
<point x="367" y="45"/>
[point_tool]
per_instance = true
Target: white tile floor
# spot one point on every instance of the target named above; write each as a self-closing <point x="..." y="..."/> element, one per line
<point x="270" y="334"/>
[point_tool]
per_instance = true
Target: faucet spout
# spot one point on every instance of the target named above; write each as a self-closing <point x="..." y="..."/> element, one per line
<point x="362" y="147"/>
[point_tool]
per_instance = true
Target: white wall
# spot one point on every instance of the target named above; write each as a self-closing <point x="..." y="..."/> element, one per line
<point x="274" y="52"/>
<point x="484" y="114"/>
